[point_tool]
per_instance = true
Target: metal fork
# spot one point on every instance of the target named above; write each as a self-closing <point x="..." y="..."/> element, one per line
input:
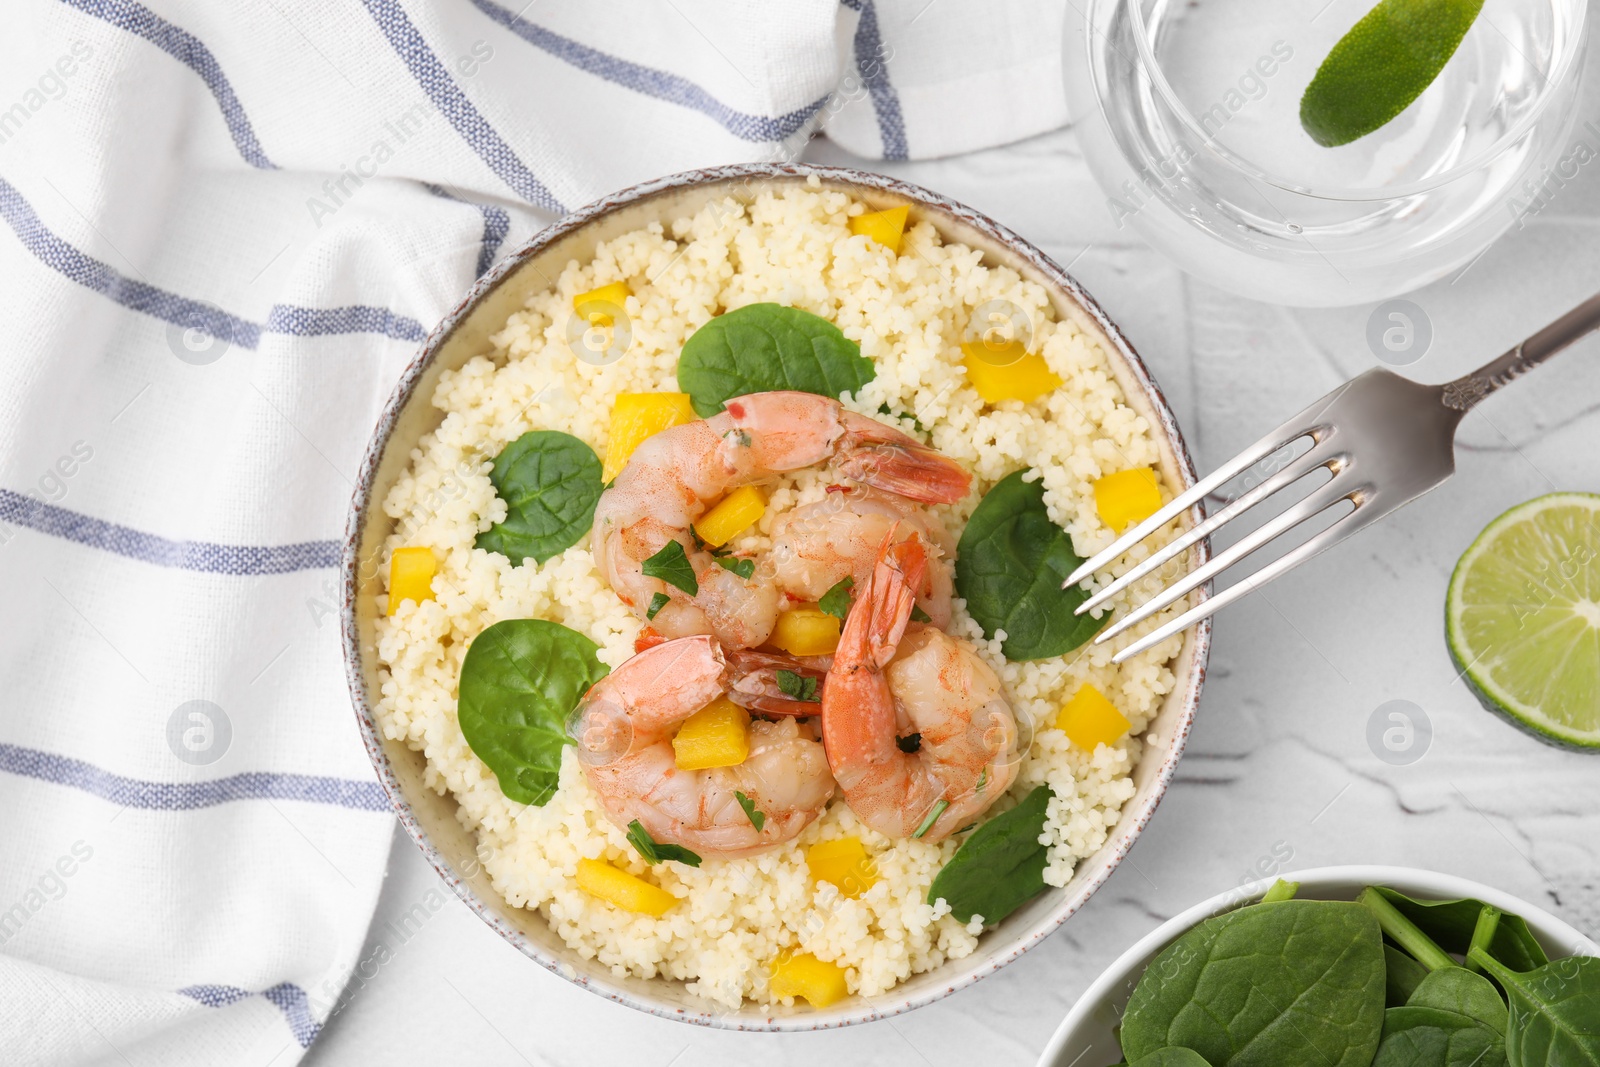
<point x="1386" y="440"/>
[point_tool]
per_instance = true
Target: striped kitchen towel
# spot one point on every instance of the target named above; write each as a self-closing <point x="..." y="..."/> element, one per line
<point x="227" y="226"/>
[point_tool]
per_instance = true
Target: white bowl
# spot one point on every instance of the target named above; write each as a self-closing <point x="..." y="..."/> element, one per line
<point x="431" y="818"/>
<point x="1084" y="1038"/>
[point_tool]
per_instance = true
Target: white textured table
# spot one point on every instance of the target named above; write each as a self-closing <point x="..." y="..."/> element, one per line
<point x="1279" y="764"/>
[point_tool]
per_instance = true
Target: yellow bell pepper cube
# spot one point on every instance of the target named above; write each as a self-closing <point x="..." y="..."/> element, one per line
<point x="843" y="862"/>
<point x="615" y="293"/>
<point x="411" y="571"/>
<point x="1127" y="497"/>
<point x="803" y="975"/>
<point x="627" y="891"/>
<point x="636" y="417"/>
<point x="733" y="513"/>
<point x="1089" y="719"/>
<point x="1007" y="372"/>
<point x="806" y="632"/>
<point x="718" y="735"/>
<point x="884" y="227"/>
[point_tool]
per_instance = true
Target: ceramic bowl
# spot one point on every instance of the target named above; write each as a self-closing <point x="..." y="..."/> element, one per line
<point x="431" y="819"/>
<point x="1084" y="1038"/>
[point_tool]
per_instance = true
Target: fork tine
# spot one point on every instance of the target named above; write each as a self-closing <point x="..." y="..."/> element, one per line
<point x="1352" y="523"/>
<point x="1306" y="422"/>
<point x="1324" y="497"/>
<point x="1318" y="455"/>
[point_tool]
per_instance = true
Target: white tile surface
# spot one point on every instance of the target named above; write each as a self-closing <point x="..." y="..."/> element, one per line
<point x="1279" y="759"/>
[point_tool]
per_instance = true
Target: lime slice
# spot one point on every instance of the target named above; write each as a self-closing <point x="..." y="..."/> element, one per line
<point x="1523" y="617"/>
<point x="1384" y="62"/>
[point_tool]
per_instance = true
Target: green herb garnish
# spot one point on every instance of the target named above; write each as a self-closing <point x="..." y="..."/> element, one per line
<point x="744" y="568"/>
<point x="671" y="565"/>
<point x="520" y="680"/>
<point x="918" y="615"/>
<point x="798" y="686"/>
<point x="762" y="347"/>
<point x="932" y="817"/>
<point x="836" y="601"/>
<point x="657" y="602"/>
<point x="757" y="819"/>
<point x="653" y="851"/>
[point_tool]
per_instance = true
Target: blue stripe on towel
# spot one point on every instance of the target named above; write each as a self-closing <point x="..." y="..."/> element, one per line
<point x="496" y="224"/>
<point x="204" y="556"/>
<point x="189" y="796"/>
<point x="183" y="311"/>
<point x="873" y="66"/>
<point x="286" y="996"/>
<point x="435" y="80"/>
<point x="186" y="48"/>
<point x="660" y="84"/>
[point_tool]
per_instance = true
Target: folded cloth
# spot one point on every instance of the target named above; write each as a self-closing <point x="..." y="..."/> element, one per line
<point x="227" y="228"/>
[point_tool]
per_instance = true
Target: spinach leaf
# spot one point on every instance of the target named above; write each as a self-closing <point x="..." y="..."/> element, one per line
<point x="550" y="482"/>
<point x="520" y="680"/>
<point x="1173" y="1056"/>
<point x="762" y="347"/>
<point x="1555" y="1011"/>
<point x="1010" y="564"/>
<point x="1295" y="982"/>
<point x="797" y="686"/>
<point x="672" y="566"/>
<point x="1431" y="1037"/>
<point x="744" y="568"/>
<point x="1402" y="975"/>
<point x="1000" y="867"/>
<point x="1450" y="923"/>
<point x="1460" y="990"/>
<point x="836" y="601"/>
<point x="653" y="851"/>
<point x="757" y="819"/>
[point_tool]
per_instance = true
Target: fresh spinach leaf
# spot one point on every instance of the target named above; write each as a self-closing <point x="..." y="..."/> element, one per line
<point x="672" y="566"/>
<point x="836" y="601"/>
<point x="520" y="680"/>
<point x="1173" y="1056"/>
<point x="1296" y="982"/>
<point x="744" y="568"/>
<point x="1402" y="976"/>
<point x="1555" y="1011"/>
<point x="757" y="819"/>
<point x="1000" y="867"/>
<point x="797" y="686"/>
<point x="550" y="482"/>
<point x="1460" y="990"/>
<point x="657" y="602"/>
<point x="1432" y="1037"/>
<point x="762" y="347"/>
<point x="653" y="851"/>
<point x="1010" y="564"/>
<point x="1450" y="923"/>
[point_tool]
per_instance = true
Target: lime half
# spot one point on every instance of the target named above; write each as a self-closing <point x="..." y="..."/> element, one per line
<point x="1523" y="617"/>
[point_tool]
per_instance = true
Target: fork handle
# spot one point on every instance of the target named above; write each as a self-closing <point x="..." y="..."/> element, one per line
<point x="1466" y="391"/>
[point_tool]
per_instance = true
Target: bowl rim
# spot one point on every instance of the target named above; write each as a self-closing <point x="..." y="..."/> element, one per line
<point x="981" y="963"/>
<point x="1405" y="879"/>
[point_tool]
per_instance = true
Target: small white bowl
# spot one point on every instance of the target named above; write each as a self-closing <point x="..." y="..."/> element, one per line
<point x="1085" y="1039"/>
<point x="430" y="818"/>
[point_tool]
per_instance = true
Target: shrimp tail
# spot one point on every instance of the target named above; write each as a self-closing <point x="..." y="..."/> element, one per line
<point x="885" y="458"/>
<point x="887" y="601"/>
<point x="754" y="683"/>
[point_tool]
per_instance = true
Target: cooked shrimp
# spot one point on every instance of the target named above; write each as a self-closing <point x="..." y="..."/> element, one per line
<point x="816" y="545"/>
<point x="676" y="475"/>
<point x="624" y="728"/>
<point x="892" y="678"/>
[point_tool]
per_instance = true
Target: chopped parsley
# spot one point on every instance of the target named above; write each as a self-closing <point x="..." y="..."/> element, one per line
<point x="744" y="568"/>
<point x="653" y="851"/>
<point x="836" y="601"/>
<point x="657" y="602"/>
<point x="757" y="819"/>
<point x="933" y="817"/>
<point x="798" y="686"/>
<point x="671" y="565"/>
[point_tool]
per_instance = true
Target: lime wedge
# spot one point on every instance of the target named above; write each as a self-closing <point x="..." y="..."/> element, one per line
<point x="1384" y="62"/>
<point x="1523" y="618"/>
